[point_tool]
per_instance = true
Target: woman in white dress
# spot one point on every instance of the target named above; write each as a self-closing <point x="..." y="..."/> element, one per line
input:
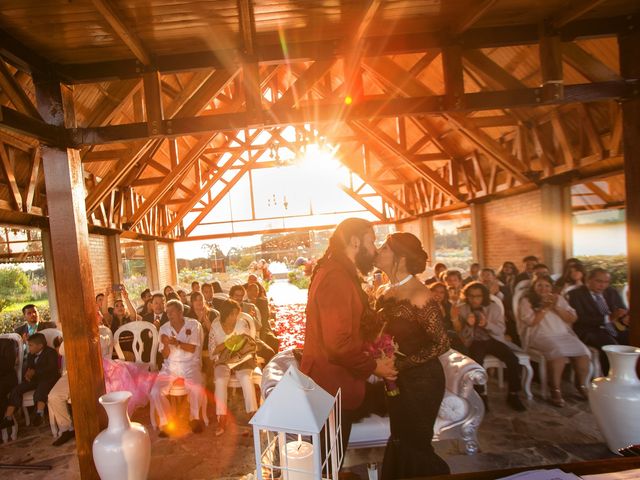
<point x="545" y="322"/>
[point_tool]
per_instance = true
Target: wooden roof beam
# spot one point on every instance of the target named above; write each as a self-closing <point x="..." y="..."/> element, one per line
<point x="16" y="93"/>
<point x="128" y="37"/>
<point x="250" y="69"/>
<point x="588" y="65"/>
<point x="21" y="56"/>
<point x="358" y="198"/>
<point x="575" y="11"/>
<point x="9" y="173"/>
<point x="472" y="16"/>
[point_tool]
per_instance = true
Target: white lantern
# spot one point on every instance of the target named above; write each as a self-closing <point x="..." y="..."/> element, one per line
<point x="297" y="430"/>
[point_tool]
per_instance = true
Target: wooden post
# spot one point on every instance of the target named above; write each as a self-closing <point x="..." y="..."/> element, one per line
<point x="173" y="262"/>
<point x="477" y="233"/>
<point x="72" y="269"/>
<point x="551" y="63"/>
<point x="151" y="264"/>
<point x="556" y="217"/>
<point x="52" y="292"/>
<point x="630" y="70"/>
<point x="115" y="258"/>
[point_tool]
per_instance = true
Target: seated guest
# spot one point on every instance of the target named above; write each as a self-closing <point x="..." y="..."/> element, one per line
<point x="120" y="315"/>
<point x="206" y="316"/>
<point x="574" y="276"/>
<point x="602" y="316"/>
<point x="482" y="327"/>
<point x="264" y="351"/>
<point x="146" y="297"/>
<point x="265" y="333"/>
<point x="181" y="347"/>
<point x="539" y="269"/>
<point x="441" y="296"/>
<point x="488" y="279"/>
<point x="195" y="286"/>
<point x="167" y="290"/>
<point x="546" y="319"/>
<point x="438" y="268"/>
<point x="507" y="276"/>
<point x="32" y="322"/>
<point x="474" y="274"/>
<point x="183" y="297"/>
<point x="453" y="279"/>
<point x="207" y="292"/>
<point x="8" y="376"/>
<point x="230" y="330"/>
<point x="175" y="296"/>
<point x="157" y="316"/>
<point x="528" y="263"/>
<point x="40" y="375"/>
<point x="253" y="279"/>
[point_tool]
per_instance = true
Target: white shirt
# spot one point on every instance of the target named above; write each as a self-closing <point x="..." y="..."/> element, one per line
<point x="179" y="360"/>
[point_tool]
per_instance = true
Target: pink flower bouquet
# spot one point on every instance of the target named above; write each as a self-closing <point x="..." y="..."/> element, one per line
<point x="384" y="347"/>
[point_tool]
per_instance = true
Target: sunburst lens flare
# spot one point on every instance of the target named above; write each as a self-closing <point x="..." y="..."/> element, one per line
<point x="348" y="100"/>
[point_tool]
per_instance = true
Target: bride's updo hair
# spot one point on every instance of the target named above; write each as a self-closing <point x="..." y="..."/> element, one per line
<point x="407" y="245"/>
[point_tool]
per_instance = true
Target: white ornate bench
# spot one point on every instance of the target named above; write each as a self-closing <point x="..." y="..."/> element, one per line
<point x="461" y="411"/>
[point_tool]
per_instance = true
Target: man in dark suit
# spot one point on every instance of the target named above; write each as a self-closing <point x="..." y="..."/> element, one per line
<point x="528" y="264"/>
<point x="158" y="316"/>
<point x="40" y="375"/>
<point x="602" y="316"/>
<point x="334" y="355"/>
<point x="32" y="322"/>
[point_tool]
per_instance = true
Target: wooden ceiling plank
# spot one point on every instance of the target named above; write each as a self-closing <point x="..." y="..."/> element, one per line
<point x="305" y="82"/>
<point x="575" y="11"/>
<point x="472" y="16"/>
<point x="33" y="180"/>
<point x="128" y="37"/>
<point x="16" y="93"/>
<point x="9" y="173"/>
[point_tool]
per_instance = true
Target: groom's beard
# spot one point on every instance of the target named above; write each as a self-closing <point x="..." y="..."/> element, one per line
<point x="364" y="260"/>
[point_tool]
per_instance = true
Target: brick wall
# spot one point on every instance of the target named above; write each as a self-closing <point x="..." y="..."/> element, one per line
<point x="100" y="262"/>
<point x="512" y="228"/>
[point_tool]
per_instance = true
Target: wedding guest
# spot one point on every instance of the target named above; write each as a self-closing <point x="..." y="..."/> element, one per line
<point x="181" y="347"/>
<point x="195" y="286"/>
<point x="482" y="329"/>
<point x="182" y="295"/>
<point x="206" y="316"/>
<point x="40" y="375"/>
<point x="158" y="315"/>
<point x="603" y="318"/>
<point x="32" y="322"/>
<point x="146" y="297"/>
<point x="507" y="275"/>
<point x="438" y="268"/>
<point x="474" y="274"/>
<point x="119" y="316"/>
<point x="489" y="279"/>
<point x="253" y="279"/>
<point x="528" y="263"/>
<point x="167" y="290"/>
<point x="232" y="329"/>
<point x="186" y="307"/>
<point x="574" y="276"/>
<point x="453" y="279"/>
<point x="546" y="320"/>
<point x="440" y="294"/>
<point x="264" y="333"/>
<point x="207" y="292"/>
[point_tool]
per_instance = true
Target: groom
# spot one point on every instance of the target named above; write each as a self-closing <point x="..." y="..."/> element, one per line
<point x="333" y="353"/>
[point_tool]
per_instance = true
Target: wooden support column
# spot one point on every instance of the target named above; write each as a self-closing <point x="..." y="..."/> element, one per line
<point x="115" y="256"/>
<point x="250" y="67"/>
<point x="173" y="263"/>
<point x="556" y="218"/>
<point x="630" y="70"/>
<point x="153" y="103"/>
<point x="453" y="76"/>
<point x="151" y="264"/>
<point x="477" y="232"/>
<point x="551" y="63"/>
<point x="72" y="269"/>
<point x="47" y="255"/>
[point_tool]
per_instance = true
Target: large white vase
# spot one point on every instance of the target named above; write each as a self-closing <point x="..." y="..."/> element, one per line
<point x="123" y="450"/>
<point x="615" y="399"/>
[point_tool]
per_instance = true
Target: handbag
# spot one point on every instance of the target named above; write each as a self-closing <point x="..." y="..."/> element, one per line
<point x="238" y="349"/>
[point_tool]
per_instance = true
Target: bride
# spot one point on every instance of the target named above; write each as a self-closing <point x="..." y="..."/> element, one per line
<point x="414" y="320"/>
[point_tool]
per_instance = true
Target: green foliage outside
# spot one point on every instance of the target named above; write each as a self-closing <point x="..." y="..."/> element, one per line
<point x="14" y="286"/>
<point x="616" y="265"/>
<point x="9" y="321"/>
<point x="298" y="278"/>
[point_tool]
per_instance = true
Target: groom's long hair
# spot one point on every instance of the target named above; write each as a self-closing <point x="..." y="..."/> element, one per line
<point x="351" y="227"/>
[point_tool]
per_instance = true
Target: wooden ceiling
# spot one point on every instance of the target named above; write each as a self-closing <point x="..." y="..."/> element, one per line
<point x="449" y="102"/>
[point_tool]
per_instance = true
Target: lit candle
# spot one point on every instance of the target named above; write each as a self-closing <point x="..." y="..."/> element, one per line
<point x="299" y="457"/>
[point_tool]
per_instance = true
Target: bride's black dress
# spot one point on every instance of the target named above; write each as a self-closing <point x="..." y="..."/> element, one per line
<point x="421" y="338"/>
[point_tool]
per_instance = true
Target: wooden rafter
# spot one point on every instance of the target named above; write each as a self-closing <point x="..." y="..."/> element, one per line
<point x="578" y="9"/>
<point x="588" y="65"/>
<point x="33" y="180"/>
<point x="9" y="173"/>
<point x="128" y="37"/>
<point x="15" y="92"/>
<point x="362" y="201"/>
<point x="472" y="16"/>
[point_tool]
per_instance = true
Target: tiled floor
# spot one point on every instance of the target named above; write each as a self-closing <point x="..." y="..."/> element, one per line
<point x="542" y="435"/>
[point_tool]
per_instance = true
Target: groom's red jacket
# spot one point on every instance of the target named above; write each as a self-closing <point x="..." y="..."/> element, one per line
<point x="333" y="351"/>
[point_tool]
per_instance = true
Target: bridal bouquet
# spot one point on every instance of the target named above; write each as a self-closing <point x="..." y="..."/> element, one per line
<point x="384" y="347"/>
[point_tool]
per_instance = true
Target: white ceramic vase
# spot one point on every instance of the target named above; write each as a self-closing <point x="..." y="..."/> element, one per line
<point x="615" y="399"/>
<point x="123" y="450"/>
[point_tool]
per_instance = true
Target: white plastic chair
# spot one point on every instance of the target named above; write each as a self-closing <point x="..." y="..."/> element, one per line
<point x="18" y="367"/>
<point x="138" y="328"/>
<point x="27" y="399"/>
<point x="106" y="341"/>
<point x="179" y="390"/>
